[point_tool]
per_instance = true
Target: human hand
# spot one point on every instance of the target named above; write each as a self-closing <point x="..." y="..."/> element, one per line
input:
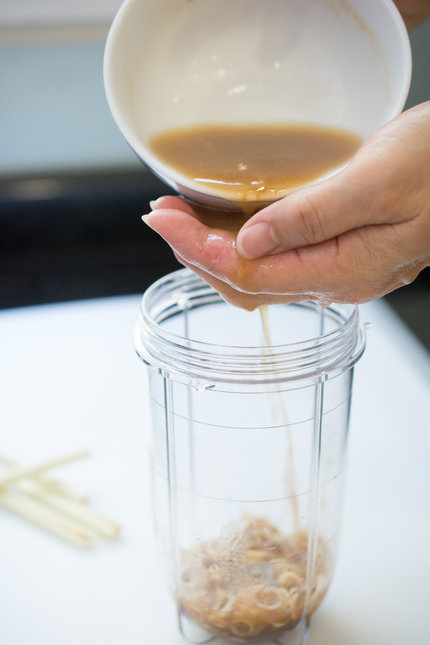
<point x="351" y="238"/>
<point x="414" y="12"/>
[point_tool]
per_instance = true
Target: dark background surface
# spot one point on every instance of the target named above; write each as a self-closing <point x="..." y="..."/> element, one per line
<point x="74" y="237"/>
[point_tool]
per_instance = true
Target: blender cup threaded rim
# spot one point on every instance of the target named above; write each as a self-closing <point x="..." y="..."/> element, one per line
<point x="322" y="356"/>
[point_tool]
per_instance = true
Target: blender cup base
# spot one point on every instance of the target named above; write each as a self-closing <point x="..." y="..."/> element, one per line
<point x="196" y="635"/>
<point x="298" y="636"/>
<point x="192" y="632"/>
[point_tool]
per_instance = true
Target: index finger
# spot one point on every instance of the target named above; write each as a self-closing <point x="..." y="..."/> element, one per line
<point x="214" y="251"/>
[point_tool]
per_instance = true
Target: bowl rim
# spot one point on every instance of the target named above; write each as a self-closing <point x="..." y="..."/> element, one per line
<point x="187" y="186"/>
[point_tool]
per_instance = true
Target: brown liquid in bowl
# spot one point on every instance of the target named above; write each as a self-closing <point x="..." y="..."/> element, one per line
<point x="254" y="163"/>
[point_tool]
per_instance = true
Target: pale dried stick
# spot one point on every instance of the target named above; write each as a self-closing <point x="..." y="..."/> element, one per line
<point x="44" y="482"/>
<point x="31" y="471"/>
<point x="76" y="511"/>
<point x="46" y="518"/>
<point x="52" y="486"/>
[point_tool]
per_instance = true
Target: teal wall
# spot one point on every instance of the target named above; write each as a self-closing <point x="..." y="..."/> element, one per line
<point x="420" y="86"/>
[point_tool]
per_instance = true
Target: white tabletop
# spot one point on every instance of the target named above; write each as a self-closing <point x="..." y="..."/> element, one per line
<point x="69" y="379"/>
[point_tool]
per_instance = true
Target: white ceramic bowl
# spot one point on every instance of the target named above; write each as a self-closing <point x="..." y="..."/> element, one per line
<point x="176" y="63"/>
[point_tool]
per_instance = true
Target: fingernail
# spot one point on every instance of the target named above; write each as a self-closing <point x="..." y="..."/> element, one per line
<point x="256" y="240"/>
<point x="146" y="219"/>
<point x="154" y="203"/>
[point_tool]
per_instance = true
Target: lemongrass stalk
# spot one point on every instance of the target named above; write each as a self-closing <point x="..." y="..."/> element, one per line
<point x="76" y="511"/>
<point x="42" y="481"/>
<point x="46" y="518"/>
<point x="31" y="471"/>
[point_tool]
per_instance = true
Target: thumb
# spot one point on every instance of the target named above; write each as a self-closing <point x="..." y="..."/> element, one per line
<point x="376" y="187"/>
<point x="308" y="216"/>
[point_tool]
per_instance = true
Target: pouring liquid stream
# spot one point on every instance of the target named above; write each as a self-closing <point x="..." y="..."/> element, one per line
<point x="291" y="472"/>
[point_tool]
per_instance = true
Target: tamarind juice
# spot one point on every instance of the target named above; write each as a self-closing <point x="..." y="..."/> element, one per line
<point x="253" y="165"/>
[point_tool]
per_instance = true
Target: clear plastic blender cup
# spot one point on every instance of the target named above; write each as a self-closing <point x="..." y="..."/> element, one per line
<point x="248" y="447"/>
